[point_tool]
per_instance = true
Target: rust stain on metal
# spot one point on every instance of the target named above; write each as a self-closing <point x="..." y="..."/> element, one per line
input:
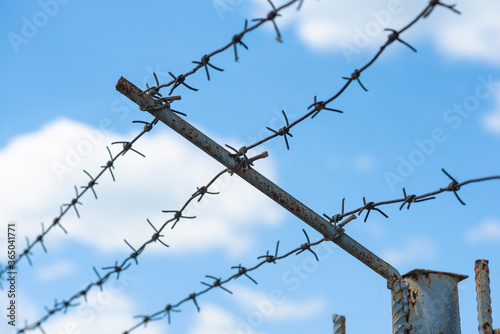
<point x="483" y="297"/>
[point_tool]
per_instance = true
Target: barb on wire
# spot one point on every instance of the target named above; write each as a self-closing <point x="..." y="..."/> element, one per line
<point x="91" y="184"/>
<point x="369" y="207"/>
<point x="453" y="186"/>
<point x="336" y="218"/>
<point x="74" y="202"/>
<point x="146" y="319"/>
<point x="56" y="222"/>
<point x="156" y="236"/>
<point x="412" y="199"/>
<point x="135" y="254"/>
<point x="117" y="269"/>
<point x="434" y="3"/>
<point x="193" y="297"/>
<point x="101" y="281"/>
<point x="320" y="105"/>
<point x="205" y="61"/>
<point x="237" y="40"/>
<point x="243" y="271"/>
<point x="216" y="283"/>
<point x="39" y="238"/>
<point x="219" y="283"/>
<point x="165" y="104"/>
<point x="177" y="216"/>
<point x="27" y="252"/>
<point x="270" y="258"/>
<point x="270" y="17"/>
<point x="307" y="246"/>
<point x="394" y="36"/>
<point x="154" y="91"/>
<point x="241" y="157"/>
<point x="179" y="80"/>
<point x="284" y="131"/>
<point x="67" y="304"/>
<point x="126" y="147"/>
<point x="169" y="308"/>
<point x="110" y="164"/>
<point x="355" y="76"/>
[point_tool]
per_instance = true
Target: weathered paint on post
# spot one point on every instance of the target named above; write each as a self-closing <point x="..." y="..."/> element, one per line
<point x="483" y="297"/>
<point x="338" y="324"/>
<point x="433" y="301"/>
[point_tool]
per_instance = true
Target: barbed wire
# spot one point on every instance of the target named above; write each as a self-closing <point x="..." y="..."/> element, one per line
<point x="235" y="41"/>
<point x="243" y="162"/>
<point x="125" y="264"/>
<point x="219" y="283"/>
<point x="454" y="187"/>
<point x="154" y="92"/>
<point x="64" y="208"/>
<point x="317" y="106"/>
<point x="336" y="220"/>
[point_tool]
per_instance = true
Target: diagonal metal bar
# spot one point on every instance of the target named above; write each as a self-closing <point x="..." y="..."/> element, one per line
<point x="259" y="181"/>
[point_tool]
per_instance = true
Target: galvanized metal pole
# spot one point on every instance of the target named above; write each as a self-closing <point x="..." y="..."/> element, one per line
<point x="267" y="187"/>
<point x="338" y="324"/>
<point x="483" y="297"/>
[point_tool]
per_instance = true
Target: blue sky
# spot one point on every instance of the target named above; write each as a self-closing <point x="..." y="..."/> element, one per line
<point x="437" y="108"/>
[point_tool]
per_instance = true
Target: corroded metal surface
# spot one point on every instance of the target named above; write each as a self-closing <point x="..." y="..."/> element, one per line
<point x="399" y="303"/>
<point x="338" y="324"/>
<point x="433" y="301"/>
<point x="483" y="297"/>
<point x="259" y="181"/>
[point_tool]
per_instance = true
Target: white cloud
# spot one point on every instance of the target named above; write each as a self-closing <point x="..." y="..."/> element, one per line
<point x="276" y="306"/>
<point x="491" y="121"/>
<point x="214" y="320"/>
<point x="364" y="163"/>
<point x="56" y="271"/>
<point x="109" y="311"/>
<point x="258" y="308"/>
<point x="414" y="249"/>
<point x="487" y="231"/>
<point x="351" y="26"/>
<point x="34" y="185"/>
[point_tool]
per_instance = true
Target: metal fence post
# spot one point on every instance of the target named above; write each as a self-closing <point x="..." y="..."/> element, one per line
<point x="338" y="324"/>
<point x="483" y="297"/>
<point x="433" y="301"/>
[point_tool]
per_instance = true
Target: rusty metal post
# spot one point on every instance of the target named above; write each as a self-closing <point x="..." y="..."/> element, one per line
<point x="338" y="324"/>
<point x="268" y="188"/>
<point x="399" y="303"/>
<point x="483" y="297"/>
<point x="433" y="301"/>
